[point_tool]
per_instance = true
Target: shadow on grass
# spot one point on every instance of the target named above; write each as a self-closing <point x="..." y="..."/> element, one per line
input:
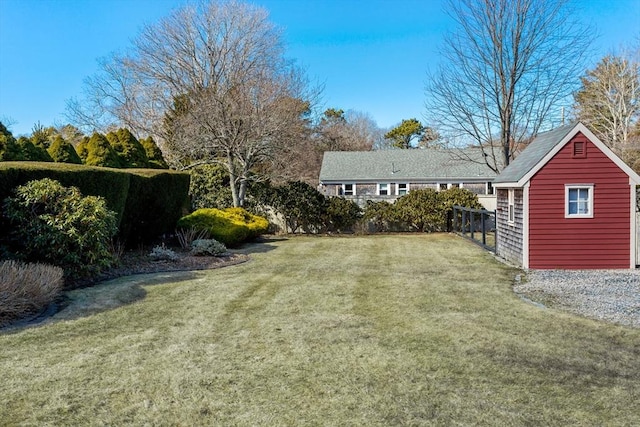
<point x="108" y="295"/>
<point x="261" y="245"/>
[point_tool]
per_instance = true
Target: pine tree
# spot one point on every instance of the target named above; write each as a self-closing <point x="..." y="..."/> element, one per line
<point x="131" y="152"/>
<point x="9" y="148"/>
<point x="156" y="160"/>
<point x="32" y="152"/>
<point x="81" y="149"/>
<point x="100" y="152"/>
<point x="63" y="152"/>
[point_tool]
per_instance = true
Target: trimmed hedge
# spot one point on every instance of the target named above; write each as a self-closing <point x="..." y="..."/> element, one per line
<point x="147" y="202"/>
<point x="158" y="198"/>
<point x="231" y="226"/>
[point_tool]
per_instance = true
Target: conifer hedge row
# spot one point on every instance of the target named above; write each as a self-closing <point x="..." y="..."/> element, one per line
<point x="147" y="202"/>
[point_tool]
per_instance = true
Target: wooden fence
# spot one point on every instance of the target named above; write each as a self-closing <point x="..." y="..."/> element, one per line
<point x="477" y="225"/>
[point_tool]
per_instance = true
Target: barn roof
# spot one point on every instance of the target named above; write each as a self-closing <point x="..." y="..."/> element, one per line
<point x="407" y="165"/>
<point x="544" y="147"/>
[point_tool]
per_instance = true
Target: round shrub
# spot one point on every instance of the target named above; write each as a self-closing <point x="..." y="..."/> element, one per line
<point x="230" y="226"/>
<point x="162" y="253"/>
<point x="342" y="214"/>
<point x="57" y="225"/>
<point x="208" y="247"/>
<point x="422" y="210"/>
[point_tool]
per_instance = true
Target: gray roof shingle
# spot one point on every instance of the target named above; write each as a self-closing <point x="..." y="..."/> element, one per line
<point x="533" y="154"/>
<point x="409" y="165"/>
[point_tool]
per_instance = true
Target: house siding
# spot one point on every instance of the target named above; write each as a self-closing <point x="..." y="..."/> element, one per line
<point x="509" y="239"/>
<point x="579" y="243"/>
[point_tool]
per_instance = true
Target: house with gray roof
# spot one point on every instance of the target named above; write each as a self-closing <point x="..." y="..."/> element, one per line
<point x="389" y="174"/>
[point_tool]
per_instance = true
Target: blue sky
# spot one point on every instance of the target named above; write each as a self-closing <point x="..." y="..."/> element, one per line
<point x="372" y="56"/>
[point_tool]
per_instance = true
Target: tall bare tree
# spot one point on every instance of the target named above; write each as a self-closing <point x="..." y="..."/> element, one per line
<point x="609" y="101"/>
<point x="210" y="82"/>
<point x="505" y="71"/>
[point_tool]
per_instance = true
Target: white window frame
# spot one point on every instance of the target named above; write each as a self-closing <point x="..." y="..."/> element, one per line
<point x="387" y="188"/>
<point x="406" y="189"/>
<point x="590" y="193"/>
<point x="511" y="206"/>
<point x="490" y="189"/>
<point x="353" y="189"/>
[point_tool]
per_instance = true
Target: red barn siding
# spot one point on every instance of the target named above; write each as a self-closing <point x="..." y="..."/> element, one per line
<point x="579" y="243"/>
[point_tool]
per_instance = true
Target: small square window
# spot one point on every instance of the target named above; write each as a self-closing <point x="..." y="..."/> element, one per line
<point x="383" y="189"/>
<point x="442" y="186"/>
<point x="579" y="201"/>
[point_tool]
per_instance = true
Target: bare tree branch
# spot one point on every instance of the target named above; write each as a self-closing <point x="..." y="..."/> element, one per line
<point x="506" y="70"/>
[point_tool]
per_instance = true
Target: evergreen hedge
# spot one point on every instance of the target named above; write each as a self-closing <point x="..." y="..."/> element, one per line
<point x="147" y="202"/>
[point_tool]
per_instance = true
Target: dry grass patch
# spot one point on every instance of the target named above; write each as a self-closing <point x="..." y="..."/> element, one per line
<point x="378" y="330"/>
<point x="26" y="289"/>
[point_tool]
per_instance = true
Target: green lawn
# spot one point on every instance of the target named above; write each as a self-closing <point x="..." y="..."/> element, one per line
<point x="381" y="330"/>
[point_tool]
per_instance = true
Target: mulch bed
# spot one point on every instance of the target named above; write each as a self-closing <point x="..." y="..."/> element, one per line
<point x="139" y="262"/>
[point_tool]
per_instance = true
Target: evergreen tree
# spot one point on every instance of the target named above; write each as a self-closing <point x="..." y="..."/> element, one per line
<point x="100" y="152"/>
<point x="156" y="160"/>
<point x="9" y="149"/>
<point x="32" y="152"/>
<point x="63" y="152"/>
<point x="81" y="149"/>
<point x="129" y="149"/>
<point x="41" y="136"/>
<point x="405" y="133"/>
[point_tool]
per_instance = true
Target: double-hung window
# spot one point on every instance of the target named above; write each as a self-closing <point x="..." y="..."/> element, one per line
<point x="383" y="189"/>
<point x="349" y="189"/>
<point x="402" y="189"/>
<point x="578" y="201"/>
<point x="511" y="206"/>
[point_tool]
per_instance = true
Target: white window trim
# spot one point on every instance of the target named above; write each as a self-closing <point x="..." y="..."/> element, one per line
<point x="398" y="188"/>
<point x="344" y="190"/>
<point x="388" y="189"/>
<point x="489" y="185"/>
<point x="511" y="206"/>
<point x="588" y="187"/>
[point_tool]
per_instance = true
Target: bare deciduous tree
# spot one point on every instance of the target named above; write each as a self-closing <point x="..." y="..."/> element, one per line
<point x="210" y="82"/>
<point x="609" y="100"/>
<point x="504" y="72"/>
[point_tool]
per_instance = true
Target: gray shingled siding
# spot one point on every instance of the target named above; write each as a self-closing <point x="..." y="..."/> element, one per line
<point x="510" y="236"/>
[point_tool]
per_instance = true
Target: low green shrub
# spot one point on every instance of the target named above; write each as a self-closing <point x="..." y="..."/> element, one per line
<point x="58" y="225"/>
<point x="27" y="289"/>
<point x="422" y="210"/>
<point x="208" y="247"/>
<point x="231" y="226"/>
<point x="379" y="217"/>
<point x="162" y="253"/>
<point x="342" y="214"/>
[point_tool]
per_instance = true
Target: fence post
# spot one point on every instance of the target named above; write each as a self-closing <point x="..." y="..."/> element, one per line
<point x="484" y="230"/>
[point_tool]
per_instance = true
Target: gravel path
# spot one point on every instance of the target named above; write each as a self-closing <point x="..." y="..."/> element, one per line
<point x="610" y="295"/>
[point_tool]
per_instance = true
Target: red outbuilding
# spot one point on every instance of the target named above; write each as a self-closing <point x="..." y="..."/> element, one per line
<point x="567" y="202"/>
